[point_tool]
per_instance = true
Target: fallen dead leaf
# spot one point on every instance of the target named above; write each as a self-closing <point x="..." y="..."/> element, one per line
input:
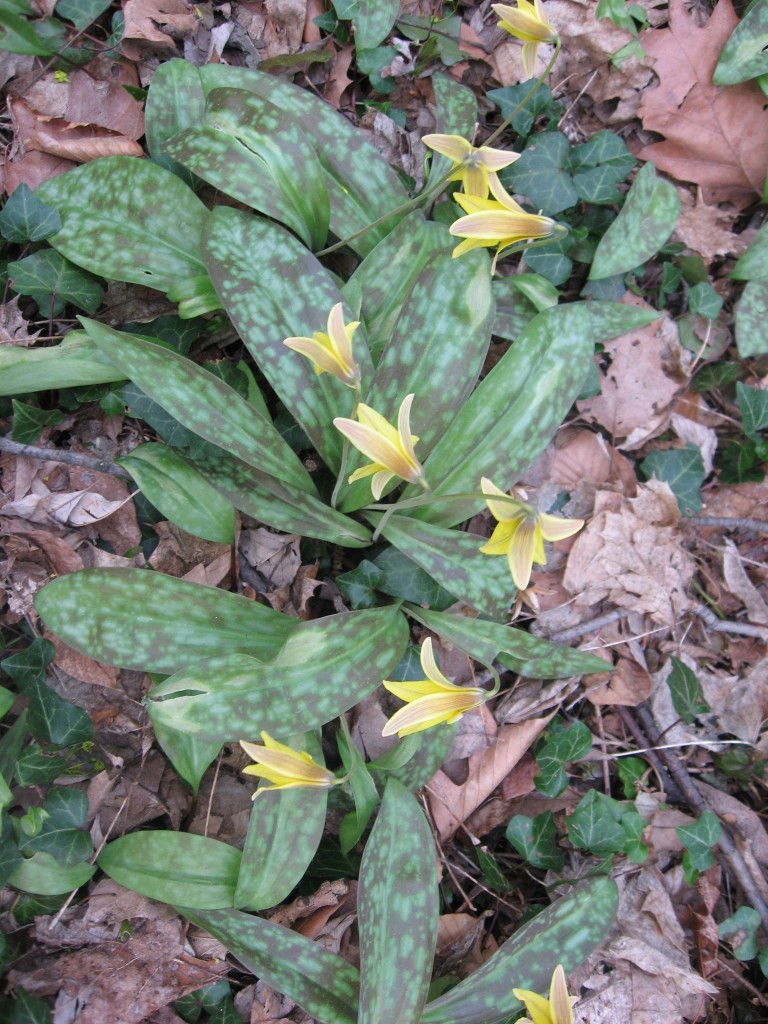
<point x="714" y="136"/>
<point x="338" y="80"/>
<point x="631" y="554"/>
<point x="179" y="552"/>
<point x="708" y="230"/>
<point x="142" y="18"/>
<point x="646" y="369"/>
<point x="62" y="139"/>
<point x="739" y="583"/>
<point x="629" y="686"/>
<point x="14" y="329"/>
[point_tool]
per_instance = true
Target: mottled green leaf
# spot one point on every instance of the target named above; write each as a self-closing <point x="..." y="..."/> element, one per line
<point x="236" y="696"/>
<point x="741" y="928"/>
<point x="398" y="910"/>
<point x="535" y="839"/>
<point x="43" y="874"/>
<point x="175" y="102"/>
<point x="361" y="787"/>
<point x="565" y="933"/>
<point x="155" y="623"/>
<point x="686" y="692"/>
<point x="281" y="821"/>
<point x="256" y="153"/>
<point x="683" y="469"/>
<point x="454" y="559"/>
<point x="745" y="55"/>
<point x="189" y="755"/>
<point x="18" y="35"/>
<point x="513" y="310"/>
<point x="51" y="280"/>
<point x="752" y="320"/>
<point x="752" y="265"/>
<point x="361" y="185"/>
<point x="182" y="494"/>
<point x="170" y="866"/>
<point x="322" y="983"/>
<point x="273" y="288"/>
<point x="436" y="352"/>
<point x="373" y="20"/>
<point x="456" y="114"/>
<point x="128" y="220"/>
<point x="382" y="281"/>
<point x="75" y="362"/>
<point x="644" y="224"/>
<point x="517" y="408"/>
<point x="202" y="402"/>
<point x="25" y="218"/>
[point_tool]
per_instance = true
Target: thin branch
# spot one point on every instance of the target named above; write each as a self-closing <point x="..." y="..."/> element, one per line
<point x="716" y="625"/>
<point x="564" y="636"/>
<point x="91" y="462"/>
<point x="729" y="522"/>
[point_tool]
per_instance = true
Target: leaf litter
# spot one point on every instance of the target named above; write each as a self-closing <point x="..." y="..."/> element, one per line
<point x="637" y="556"/>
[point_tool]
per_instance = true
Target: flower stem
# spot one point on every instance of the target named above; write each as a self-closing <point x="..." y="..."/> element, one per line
<point x="345" y="453"/>
<point x="508" y="120"/>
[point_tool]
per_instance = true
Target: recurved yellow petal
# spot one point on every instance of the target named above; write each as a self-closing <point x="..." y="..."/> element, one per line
<point x="284" y="767"/>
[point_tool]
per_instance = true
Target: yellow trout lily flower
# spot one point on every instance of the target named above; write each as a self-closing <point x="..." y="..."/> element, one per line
<point x="331" y="352"/>
<point x="474" y="166"/>
<point x="521" y="532"/>
<point x="390" y="448"/>
<point x="499" y="222"/>
<point x="432" y="700"/>
<point x="284" y="767"/>
<point x="527" y="23"/>
<point x="558" y="1009"/>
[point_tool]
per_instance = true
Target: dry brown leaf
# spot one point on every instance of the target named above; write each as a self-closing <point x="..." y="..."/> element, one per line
<point x="14" y="329"/>
<point x="631" y="554"/>
<point x="708" y="230"/>
<point x="714" y="136"/>
<point x="142" y="18"/>
<point x="645" y="372"/>
<point x="629" y="686"/>
<point x="284" y="28"/>
<point x="179" y="552"/>
<point x="63" y="139"/>
<point x="274" y="556"/>
<point x="32" y="169"/>
<point x="741" y="585"/>
<point x="338" y="80"/>
<point x="451" y="805"/>
<point x="329" y="894"/>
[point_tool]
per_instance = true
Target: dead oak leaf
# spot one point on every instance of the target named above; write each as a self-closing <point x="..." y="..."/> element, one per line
<point x="14" y="329"/>
<point x="708" y="230"/>
<point x="714" y="136"/>
<point x="142" y="18"/>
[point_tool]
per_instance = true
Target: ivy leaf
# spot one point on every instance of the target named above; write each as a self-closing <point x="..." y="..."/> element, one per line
<point x="753" y="406"/>
<point x="541" y="102"/>
<point x="63" y="832"/>
<point x="81" y="12"/>
<point x="52" y="281"/>
<point x="558" y="750"/>
<point x="542" y="174"/>
<point x="683" y="469"/>
<point x="699" y="841"/>
<point x="687" y="694"/>
<point x="598" y="166"/>
<point x="741" y="928"/>
<point x="29" y="421"/>
<point x="25" y="218"/>
<point x="535" y="839"/>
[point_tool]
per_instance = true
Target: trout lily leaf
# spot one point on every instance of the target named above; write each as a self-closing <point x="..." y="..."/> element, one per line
<point x="558" y="1009"/>
<point x="284" y="767"/>
<point x="521" y="532"/>
<point x="331" y="352"/>
<point x="527" y="23"/>
<point x="390" y="448"/>
<point x="499" y="222"/>
<point x="430" y="701"/>
<point x="474" y="166"/>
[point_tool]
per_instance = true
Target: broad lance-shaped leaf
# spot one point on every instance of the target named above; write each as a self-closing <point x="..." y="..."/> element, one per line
<point x="273" y="288"/>
<point x="278" y="505"/>
<point x="202" y="402"/>
<point x="398" y="909"/>
<point x="326" y="666"/>
<point x="436" y="352"/>
<point x="183" y="495"/>
<point x="155" y="623"/>
<point x="644" y="224"/>
<point x="43" y="875"/>
<point x="323" y="984"/>
<point x="288" y="820"/>
<point x="361" y="184"/>
<point x="75" y="362"/>
<point x="456" y="115"/>
<point x="516" y="409"/>
<point x="519" y="651"/>
<point x="379" y="286"/>
<point x="175" y="102"/>
<point x="189" y="755"/>
<point x="454" y="559"/>
<point x="372" y="21"/>
<point x="256" y="153"/>
<point x="129" y="220"/>
<point x="565" y="933"/>
<point x="170" y="866"/>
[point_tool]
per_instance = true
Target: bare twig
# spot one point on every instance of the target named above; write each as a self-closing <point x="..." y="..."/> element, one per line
<point x="92" y="462"/>
<point x="716" y="625"/>
<point x="564" y="636"/>
<point x="688" y="787"/>
<point x="728" y="522"/>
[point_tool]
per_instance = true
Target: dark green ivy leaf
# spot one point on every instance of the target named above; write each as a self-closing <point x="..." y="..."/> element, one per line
<point x="25" y="218"/>
<point x="52" y="281"/>
<point x="683" y="469"/>
<point x="559" y="748"/>
<point x="687" y="695"/>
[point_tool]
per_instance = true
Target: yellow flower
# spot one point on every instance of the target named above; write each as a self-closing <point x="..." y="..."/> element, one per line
<point x="498" y="222"/>
<point x="521" y="532"/>
<point x="432" y="700"/>
<point x="558" y="1009"/>
<point x="331" y="352"/>
<point x="391" y="449"/>
<point x="284" y="767"/>
<point x="473" y="166"/>
<point x="526" y="22"/>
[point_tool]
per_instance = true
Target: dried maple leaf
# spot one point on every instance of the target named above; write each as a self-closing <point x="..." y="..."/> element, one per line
<point x="715" y="137"/>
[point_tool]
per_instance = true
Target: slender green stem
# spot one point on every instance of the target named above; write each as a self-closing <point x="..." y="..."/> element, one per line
<point x="508" y="120"/>
<point x="344" y="454"/>
<point x="430" y="499"/>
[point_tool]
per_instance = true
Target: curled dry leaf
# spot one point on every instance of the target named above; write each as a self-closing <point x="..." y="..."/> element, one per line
<point x="739" y="583"/>
<point x="584" y="457"/>
<point x="630" y="553"/>
<point x="715" y="137"/>
<point x="14" y="329"/>
<point x="61" y="138"/>
<point x="629" y="686"/>
<point x="708" y="230"/>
